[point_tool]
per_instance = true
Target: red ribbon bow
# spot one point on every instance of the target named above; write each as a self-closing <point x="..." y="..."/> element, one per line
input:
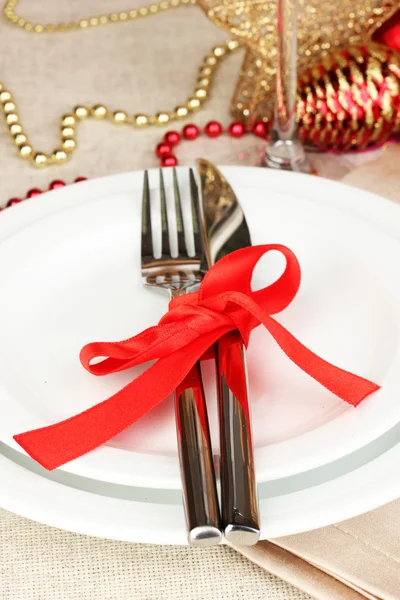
<point x="224" y="303"/>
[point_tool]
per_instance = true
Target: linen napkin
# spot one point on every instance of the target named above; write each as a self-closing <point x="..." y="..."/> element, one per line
<point x="359" y="558"/>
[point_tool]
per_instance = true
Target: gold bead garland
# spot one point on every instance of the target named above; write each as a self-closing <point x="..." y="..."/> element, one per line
<point x="79" y="113"/>
<point x="252" y="21"/>
<point x="117" y="17"/>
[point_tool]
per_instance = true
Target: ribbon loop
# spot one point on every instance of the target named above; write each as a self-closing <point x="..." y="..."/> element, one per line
<point x="224" y="303"/>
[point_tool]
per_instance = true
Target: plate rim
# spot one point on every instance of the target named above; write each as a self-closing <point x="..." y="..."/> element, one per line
<point x="85" y="513"/>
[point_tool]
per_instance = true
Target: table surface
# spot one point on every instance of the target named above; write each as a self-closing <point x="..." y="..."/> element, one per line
<point x="145" y="66"/>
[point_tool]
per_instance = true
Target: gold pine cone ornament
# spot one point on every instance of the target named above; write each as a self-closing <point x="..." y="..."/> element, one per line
<point x="351" y="100"/>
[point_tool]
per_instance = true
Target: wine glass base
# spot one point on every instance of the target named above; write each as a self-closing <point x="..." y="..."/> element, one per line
<point x="287" y="156"/>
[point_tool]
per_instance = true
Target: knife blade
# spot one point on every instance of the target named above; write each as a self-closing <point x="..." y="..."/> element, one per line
<point x="225" y="230"/>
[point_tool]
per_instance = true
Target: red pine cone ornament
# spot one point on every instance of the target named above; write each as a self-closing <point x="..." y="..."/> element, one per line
<point x="351" y="101"/>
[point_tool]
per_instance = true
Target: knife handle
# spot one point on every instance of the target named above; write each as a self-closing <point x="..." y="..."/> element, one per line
<point x="240" y="514"/>
<point x="200" y="495"/>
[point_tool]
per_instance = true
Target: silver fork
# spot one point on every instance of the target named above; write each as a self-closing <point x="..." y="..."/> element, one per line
<point x="179" y="275"/>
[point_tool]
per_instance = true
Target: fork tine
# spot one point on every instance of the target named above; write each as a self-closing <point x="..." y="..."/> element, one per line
<point x="182" y="251"/>
<point x="147" y="236"/>
<point x="196" y="213"/>
<point x="165" y="246"/>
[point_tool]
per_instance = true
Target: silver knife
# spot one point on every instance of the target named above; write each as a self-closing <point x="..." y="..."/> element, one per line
<point x="225" y="230"/>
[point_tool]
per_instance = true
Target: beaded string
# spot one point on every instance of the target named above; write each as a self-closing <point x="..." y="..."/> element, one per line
<point x="165" y="149"/>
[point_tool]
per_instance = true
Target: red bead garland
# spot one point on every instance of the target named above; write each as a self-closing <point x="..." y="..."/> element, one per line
<point x="13" y="202"/>
<point x="163" y="149"/>
<point x="260" y="129"/>
<point x="169" y="161"/>
<point x="34" y="192"/>
<point x="190" y="132"/>
<point x="236" y="129"/>
<point x="172" y="138"/>
<point x="54" y="185"/>
<point x="213" y="129"/>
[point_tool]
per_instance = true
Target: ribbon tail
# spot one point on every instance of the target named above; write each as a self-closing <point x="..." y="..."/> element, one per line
<point x="57" y="444"/>
<point x="349" y="387"/>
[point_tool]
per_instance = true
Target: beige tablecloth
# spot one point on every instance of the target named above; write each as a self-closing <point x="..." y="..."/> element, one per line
<point x="143" y="66"/>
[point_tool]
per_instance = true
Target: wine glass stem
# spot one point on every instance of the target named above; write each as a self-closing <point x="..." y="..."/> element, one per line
<point x="284" y="150"/>
<point x="285" y="107"/>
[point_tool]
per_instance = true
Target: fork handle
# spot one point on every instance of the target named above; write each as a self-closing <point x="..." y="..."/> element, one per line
<point x="196" y="461"/>
<point x="240" y="514"/>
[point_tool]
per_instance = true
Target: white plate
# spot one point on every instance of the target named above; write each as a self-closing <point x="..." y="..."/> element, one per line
<point x="69" y="267"/>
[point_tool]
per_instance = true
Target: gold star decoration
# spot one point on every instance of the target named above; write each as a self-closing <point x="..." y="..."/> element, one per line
<point x="323" y="27"/>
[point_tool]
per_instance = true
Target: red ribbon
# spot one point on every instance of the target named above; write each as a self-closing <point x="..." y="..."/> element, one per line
<point x="224" y="307"/>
